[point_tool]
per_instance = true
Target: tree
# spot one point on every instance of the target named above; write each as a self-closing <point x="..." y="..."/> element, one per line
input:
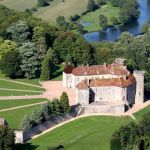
<point x="55" y="107"/>
<point x="7" y="139"/>
<point x="19" y="32"/>
<point x="26" y="123"/>
<point x="114" y="20"/>
<point x="10" y="64"/>
<point x="6" y="46"/>
<point x="36" y="117"/>
<point x="103" y="22"/>
<point x="64" y="103"/>
<point x="30" y="63"/>
<point x="68" y="43"/>
<point x="39" y="38"/>
<point x="91" y="5"/>
<point x="42" y="3"/>
<point x="62" y="22"/>
<point x="48" y="65"/>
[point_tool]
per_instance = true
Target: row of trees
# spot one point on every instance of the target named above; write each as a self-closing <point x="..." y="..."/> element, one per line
<point x="46" y="112"/>
<point x="133" y="136"/>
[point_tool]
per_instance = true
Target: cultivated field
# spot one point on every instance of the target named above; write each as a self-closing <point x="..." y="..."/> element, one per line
<point x="20" y="5"/>
<point x="51" y="12"/>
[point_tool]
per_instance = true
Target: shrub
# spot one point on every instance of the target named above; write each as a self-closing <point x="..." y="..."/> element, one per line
<point x="64" y="102"/>
<point x="7" y="138"/>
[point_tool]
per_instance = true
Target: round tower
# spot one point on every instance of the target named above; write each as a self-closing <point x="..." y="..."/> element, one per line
<point x="139" y="96"/>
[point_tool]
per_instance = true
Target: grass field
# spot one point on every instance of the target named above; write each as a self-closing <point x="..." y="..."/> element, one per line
<point x="14" y="117"/>
<point x="17" y="93"/>
<point x="93" y="17"/>
<point x="140" y="114"/>
<point x="90" y="133"/>
<point x="51" y="12"/>
<point x="14" y="103"/>
<point x="24" y="80"/>
<point x="20" y="5"/>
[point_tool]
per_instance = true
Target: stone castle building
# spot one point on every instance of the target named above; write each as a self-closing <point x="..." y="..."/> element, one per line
<point x="105" y="84"/>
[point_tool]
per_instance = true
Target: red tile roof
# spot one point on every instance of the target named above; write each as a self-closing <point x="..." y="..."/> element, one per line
<point x="68" y="69"/>
<point x="115" y="69"/>
<point x="119" y="82"/>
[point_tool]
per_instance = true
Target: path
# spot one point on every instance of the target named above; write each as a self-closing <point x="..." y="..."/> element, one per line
<point x="20" y="90"/>
<point x="54" y="89"/>
<point x="13" y="81"/>
<point x="18" y="107"/>
<point x="21" y="97"/>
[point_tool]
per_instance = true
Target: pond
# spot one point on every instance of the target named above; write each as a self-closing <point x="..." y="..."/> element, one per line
<point x="113" y="34"/>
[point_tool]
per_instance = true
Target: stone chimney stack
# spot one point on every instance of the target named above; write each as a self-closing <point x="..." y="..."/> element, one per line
<point x="139" y="97"/>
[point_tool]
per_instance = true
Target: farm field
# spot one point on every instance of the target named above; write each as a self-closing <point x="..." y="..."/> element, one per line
<point x="93" y="17"/>
<point x="51" y="12"/>
<point x="19" y="5"/>
<point x="14" y="117"/>
<point x="14" y="103"/>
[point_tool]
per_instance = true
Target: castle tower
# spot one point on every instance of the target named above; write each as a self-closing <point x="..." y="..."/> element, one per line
<point x="139" y="96"/>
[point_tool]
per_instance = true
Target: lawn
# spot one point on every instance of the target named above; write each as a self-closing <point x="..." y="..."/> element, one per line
<point x="14" y="117"/>
<point x="93" y="17"/>
<point x="138" y="115"/>
<point x="17" y="93"/>
<point x="12" y="85"/>
<point x="89" y="133"/>
<point x="14" y="103"/>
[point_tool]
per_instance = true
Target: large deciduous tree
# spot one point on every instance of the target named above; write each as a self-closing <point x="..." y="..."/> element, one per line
<point x="68" y="43"/>
<point x="91" y="5"/>
<point x="10" y="64"/>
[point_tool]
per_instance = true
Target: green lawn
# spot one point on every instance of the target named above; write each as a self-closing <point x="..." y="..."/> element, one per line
<point x="141" y="113"/>
<point x="93" y="17"/>
<point x="12" y="85"/>
<point x="90" y="133"/>
<point x="24" y="80"/>
<point x="14" y="103"/>
<point x="14" y="117"/>
<point x="17" y="93"/>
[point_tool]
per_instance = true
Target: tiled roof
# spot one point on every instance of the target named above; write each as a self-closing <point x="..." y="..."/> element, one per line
<point x="68" y="69"/>
<point x="115" y="69"/>
<point x="119" y="82"/>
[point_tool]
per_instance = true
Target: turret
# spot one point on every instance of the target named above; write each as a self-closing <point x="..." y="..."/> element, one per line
<point x="139" y="97"/>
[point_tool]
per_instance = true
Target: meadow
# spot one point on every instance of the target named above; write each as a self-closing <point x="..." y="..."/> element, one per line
<point x="93" y="17"/>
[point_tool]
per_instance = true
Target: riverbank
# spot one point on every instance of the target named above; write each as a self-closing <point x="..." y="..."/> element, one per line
<point x="93" y="17"/>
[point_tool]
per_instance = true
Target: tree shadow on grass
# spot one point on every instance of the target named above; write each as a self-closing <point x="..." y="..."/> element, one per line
<point x="26" y="146"/>
<point x="57" y="71"/>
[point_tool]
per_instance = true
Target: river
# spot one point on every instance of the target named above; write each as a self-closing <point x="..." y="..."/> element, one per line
<point x="113" y="34"/>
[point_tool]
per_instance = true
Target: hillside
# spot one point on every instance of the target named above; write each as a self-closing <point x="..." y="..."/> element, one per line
<point x="51" y="12"/>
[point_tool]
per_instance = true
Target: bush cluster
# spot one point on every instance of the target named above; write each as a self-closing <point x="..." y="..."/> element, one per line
<point x="133" y="136"/>
<point x="47" y="111"/>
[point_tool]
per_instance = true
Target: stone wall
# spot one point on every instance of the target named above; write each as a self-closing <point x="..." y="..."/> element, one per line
<point x="105" y="109"/>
